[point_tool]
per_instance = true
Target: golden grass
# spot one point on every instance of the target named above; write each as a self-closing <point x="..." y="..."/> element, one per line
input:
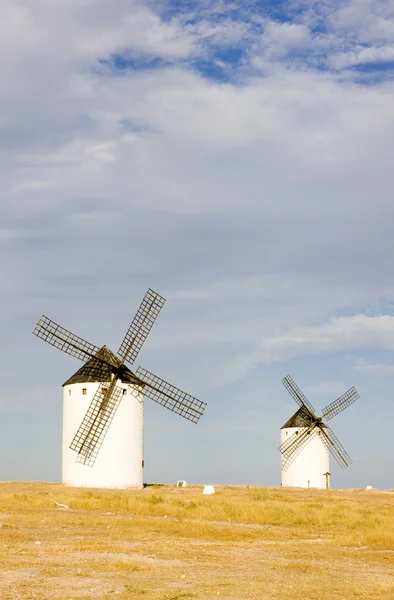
<point x="165" y="543"/>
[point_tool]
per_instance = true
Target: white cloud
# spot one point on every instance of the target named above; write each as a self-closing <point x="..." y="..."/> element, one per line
<point x="281" y="37"/>
<point x="370" y="368"/>
<point x="73" y="31"/>
<point x="362" y="56"/>
<point x="369" y="20"/>
<point x="290" y="131"/>
<point x="233" y="326"/>
<point x="339" y="334"/>
<point x="223" y="33"/>
<point x="324" y="34"/>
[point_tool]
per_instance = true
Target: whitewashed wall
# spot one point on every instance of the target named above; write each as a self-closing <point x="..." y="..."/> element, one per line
<point x="119" y="463"/>
<point x="309" y="467"/>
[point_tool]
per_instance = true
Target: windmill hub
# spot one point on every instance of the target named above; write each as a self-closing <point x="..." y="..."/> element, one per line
<point x="121" y="371"/>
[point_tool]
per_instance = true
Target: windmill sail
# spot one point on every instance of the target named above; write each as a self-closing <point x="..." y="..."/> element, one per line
<point x="64" y="340"/>
<point x="171" y="397"/>
<point x="141" y="325"/>
<point x="291" y="443"/>
<point x="297" y="394"/>
<point x="335" y="447"/>
<point x="340" y="404"/>
<point x="292" y="451"/>
<point x="93" y="429"/>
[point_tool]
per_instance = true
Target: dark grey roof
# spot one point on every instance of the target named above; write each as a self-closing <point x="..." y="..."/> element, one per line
<point x="95" y="370"/>
<point x="300" y="420"/>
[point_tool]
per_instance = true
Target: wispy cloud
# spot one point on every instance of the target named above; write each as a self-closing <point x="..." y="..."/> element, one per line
<point x="338" y="334"/>
<point x="373" y="368"/>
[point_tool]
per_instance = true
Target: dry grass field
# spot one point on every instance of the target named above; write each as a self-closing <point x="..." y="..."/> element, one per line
<point x="167" y="543"/>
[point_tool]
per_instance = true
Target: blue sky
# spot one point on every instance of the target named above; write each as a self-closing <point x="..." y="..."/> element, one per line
<point x="235" y="157"/>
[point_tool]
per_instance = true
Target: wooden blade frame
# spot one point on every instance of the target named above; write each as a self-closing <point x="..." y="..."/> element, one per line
<point x="340" y="403"/>
<point x="335" y="447"/>
<point x="295" y="444"/>
<point x="64" y="340"/>
<point x="93" y="429"/>
<point x="141" y="325"/>
<point x="171" y="397"/>
<point x="287" y="447"/>
<point x="297" y="394"/>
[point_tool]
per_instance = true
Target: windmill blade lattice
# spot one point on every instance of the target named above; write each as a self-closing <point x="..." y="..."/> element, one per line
<point x="93" y="429"/>
<point x="297" y="394"/>
<point x="296" y="449"/>
<point x="141" y="325"/>
<point x="171" y="397"/>
<point x="64" y="340"/>
<point x="335" y="447"/>
<point x="340" y="403"/>
<point x="290" y="444"/>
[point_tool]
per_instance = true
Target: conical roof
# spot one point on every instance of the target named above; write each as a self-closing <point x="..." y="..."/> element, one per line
<point x="299" y="419"/>
<point x="96" y="370"/>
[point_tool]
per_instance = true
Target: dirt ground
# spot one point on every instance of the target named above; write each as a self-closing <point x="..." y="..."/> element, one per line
<point x="167" y="544"/>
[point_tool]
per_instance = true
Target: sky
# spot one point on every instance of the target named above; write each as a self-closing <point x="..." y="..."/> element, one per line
<point x="236" y="157"/>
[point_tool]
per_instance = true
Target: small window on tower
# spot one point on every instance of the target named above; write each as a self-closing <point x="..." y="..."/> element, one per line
<point x="297" y="432"/>
<point x="69" y="392"/>
<point x="84" y="391"/>
<point x="124" y="392"/>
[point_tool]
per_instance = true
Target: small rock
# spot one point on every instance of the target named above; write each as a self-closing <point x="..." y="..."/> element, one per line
<point x="37" y="543"/>
<point x="64" y="506"/>
<point x="183" y="576"/>
<point x="31" y="571"/>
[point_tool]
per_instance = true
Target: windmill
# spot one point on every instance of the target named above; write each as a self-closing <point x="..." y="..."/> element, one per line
<point x="306" y="440"/>
<point x="104" y="400"/>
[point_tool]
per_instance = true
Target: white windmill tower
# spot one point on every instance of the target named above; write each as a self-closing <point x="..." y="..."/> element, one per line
<point x="104" y="399"/>
<point x="306" y="441"/>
